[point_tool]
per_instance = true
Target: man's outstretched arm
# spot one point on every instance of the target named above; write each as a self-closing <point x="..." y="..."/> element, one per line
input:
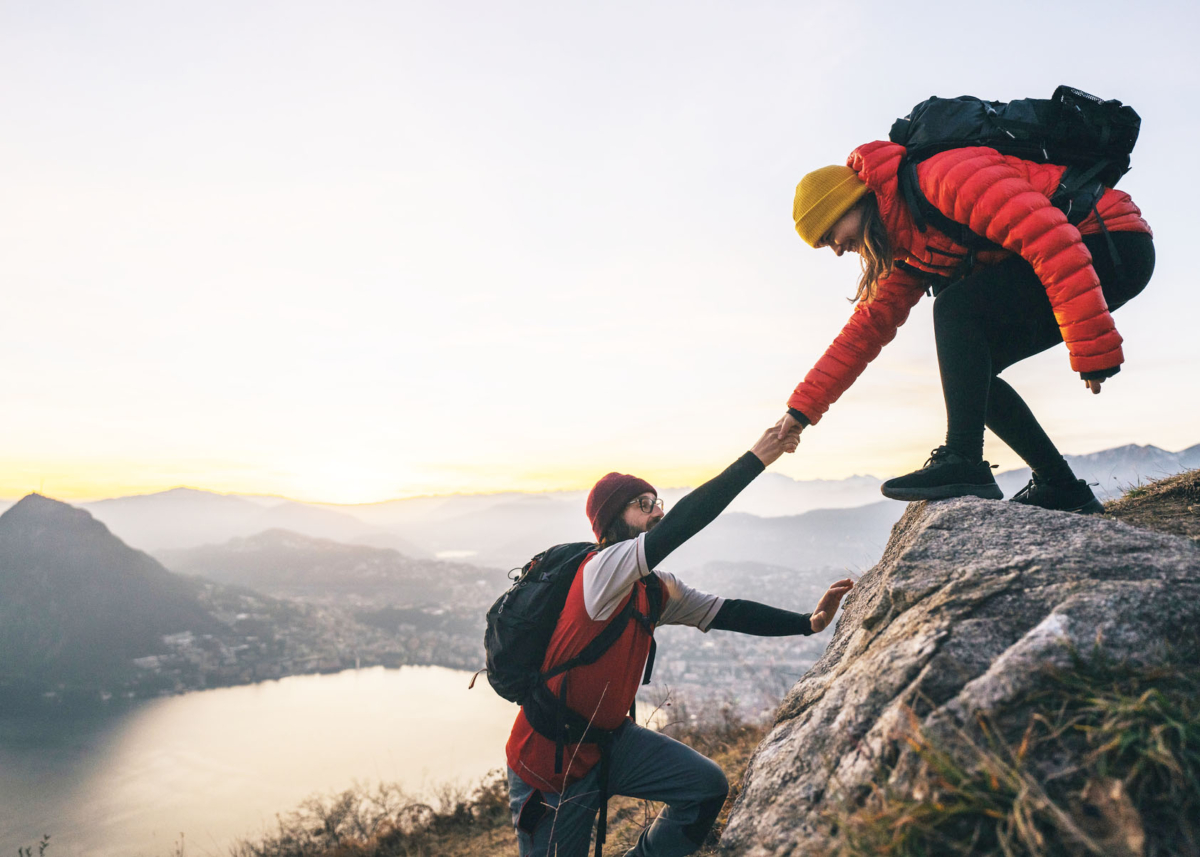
<point x="762" y="620"/>
<point x="700" y="508"/>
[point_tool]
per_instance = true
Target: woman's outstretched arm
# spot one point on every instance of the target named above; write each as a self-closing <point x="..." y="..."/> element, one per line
<point x="701" y="507"/>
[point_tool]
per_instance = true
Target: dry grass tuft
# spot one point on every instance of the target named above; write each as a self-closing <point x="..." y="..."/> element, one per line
<point x="1104" y="761"/>
<point x="1170" y="505"/>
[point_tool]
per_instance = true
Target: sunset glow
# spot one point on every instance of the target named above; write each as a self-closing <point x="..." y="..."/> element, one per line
<point x="361" y="252"/>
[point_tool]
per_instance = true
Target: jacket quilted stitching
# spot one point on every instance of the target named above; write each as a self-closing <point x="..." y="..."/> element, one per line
<point x="1003" y="198"/>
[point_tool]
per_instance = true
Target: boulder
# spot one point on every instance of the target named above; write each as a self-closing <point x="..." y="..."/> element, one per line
<point x="971" y="599"/>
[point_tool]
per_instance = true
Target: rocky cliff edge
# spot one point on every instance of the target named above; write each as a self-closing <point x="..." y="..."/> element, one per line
<point x="971" y="603"/>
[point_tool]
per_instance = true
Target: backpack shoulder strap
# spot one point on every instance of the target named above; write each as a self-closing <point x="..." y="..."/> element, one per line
<point x="600" y="644"/>
<point x="1079" y="191"/>
<point x="612" y="632"/>
<point x="926" y="214"/>
<point x="654" y="592"/>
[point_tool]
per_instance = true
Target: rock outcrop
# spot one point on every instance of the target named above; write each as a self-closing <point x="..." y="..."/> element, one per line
<point x="970" y="601"/>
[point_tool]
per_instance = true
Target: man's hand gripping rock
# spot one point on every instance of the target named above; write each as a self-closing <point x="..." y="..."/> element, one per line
<point x="828" y="605"/>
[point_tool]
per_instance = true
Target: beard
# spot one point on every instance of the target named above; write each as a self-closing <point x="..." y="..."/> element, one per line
<point x="619" y="531"/>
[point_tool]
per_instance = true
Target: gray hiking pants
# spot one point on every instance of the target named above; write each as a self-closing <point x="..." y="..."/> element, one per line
<point x="644" y="765"/>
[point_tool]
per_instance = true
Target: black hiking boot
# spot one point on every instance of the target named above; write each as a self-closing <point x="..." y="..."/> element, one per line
<point x="946" y="474"/>
<point x="1072" y="495"/>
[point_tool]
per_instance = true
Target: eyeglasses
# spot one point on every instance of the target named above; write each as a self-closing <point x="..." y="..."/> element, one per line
<point x="646" y="504"/>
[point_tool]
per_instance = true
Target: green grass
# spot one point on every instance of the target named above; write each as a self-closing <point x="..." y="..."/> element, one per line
<point x="1138" y="490"/>
<point x="1103" y="760"/>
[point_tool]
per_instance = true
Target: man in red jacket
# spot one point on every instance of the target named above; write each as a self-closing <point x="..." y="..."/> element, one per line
<point x="556" y="780"/>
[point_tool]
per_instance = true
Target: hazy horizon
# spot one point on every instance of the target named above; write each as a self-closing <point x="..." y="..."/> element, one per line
<point x="467" y="494"/>
<point x="319" y="502"/>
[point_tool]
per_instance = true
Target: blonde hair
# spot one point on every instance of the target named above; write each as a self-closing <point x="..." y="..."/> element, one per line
<point x="874" y="248"/>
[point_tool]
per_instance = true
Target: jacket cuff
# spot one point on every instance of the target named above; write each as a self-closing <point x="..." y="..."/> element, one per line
<point x="1100" y="374"/>
<point x="799" y="417"/>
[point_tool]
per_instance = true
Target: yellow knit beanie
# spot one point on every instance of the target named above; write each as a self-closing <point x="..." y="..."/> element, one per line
<point x="822" y="197"/>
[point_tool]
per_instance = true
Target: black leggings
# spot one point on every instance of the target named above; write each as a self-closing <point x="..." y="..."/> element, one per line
<point x="988" y="321"/>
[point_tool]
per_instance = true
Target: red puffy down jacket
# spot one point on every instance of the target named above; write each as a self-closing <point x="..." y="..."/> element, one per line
<point x="1003" y="198"/>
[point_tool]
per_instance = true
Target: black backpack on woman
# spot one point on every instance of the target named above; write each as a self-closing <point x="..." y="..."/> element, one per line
<point x="1091" y="137"/>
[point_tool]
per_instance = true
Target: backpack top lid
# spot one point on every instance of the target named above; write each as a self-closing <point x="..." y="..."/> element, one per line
<point x="1072" y="128"/>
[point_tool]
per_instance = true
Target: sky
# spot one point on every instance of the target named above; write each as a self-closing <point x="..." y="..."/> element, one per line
<point x="355" y="251"/>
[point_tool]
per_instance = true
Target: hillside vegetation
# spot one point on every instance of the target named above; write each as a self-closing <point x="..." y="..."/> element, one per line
<point x="1107" y="763"/>
<point x="384" y="822"/>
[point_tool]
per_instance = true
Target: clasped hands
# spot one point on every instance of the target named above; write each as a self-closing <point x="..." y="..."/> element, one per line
<point x="777" y="440"/>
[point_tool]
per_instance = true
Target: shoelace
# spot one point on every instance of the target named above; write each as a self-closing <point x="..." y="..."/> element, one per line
<point x="943" y="452"/>
<point x="1028" y="490"/>
<point x="937" y="455"/>
<point x="1034" y="484"/>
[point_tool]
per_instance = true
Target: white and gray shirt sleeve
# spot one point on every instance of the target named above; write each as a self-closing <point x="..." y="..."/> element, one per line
<point x="687" y="606"/>
<point x="610" y="574"/>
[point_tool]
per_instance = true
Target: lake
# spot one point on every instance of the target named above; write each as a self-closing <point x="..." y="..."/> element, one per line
<point x="218" y="765"/>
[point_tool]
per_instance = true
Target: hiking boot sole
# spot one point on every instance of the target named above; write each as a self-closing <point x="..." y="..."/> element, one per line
<point x="944" y="492"/>
<point x="1091" y="507"/>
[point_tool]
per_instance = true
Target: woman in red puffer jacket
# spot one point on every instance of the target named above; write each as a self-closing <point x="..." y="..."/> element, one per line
<point x="1048" y="282"/>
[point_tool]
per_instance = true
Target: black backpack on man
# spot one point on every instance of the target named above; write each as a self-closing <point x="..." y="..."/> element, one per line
<point x="521" y="622"/>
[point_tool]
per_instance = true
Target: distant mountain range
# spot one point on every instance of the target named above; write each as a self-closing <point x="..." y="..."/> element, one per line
<point x="291" y="565"/>
<point x="185" y="517"/>
<point x="504" y="530"/>
<point x="841" y="539"/>
<point x="1114" y="471"/>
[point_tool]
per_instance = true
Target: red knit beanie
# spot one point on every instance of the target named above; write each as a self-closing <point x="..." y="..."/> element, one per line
<point x="608" y="497"/>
